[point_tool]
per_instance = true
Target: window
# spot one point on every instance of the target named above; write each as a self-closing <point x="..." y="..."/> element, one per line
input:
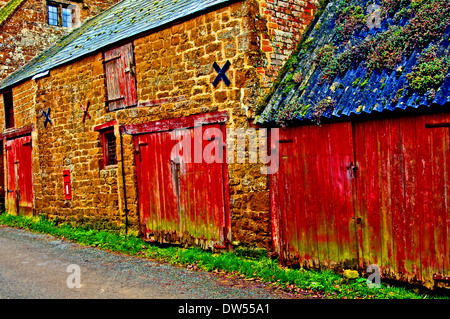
<point x="9" y="109"/>
<point x="66" y="17"/>
<point x="52" y="15"/>
<point x="109" y="148"/>
<point x="62" y="15"/>
<point x="120" y="77"/>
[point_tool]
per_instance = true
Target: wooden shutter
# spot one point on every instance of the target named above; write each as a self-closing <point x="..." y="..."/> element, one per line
<point x="120" y="77"/>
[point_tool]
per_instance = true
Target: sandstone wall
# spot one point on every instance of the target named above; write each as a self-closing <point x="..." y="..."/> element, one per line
<point x="174" y="76"/>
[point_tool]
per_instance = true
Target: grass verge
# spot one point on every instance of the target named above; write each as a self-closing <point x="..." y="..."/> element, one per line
<point x="262" y="268"/>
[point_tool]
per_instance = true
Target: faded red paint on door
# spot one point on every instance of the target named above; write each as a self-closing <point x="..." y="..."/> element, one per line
<point x="182" y="198"/>
<point x="19" y="169"/>
<point x="375" y="190"/>
<point x="403" y="191"/>
<point x="312" y="196"/>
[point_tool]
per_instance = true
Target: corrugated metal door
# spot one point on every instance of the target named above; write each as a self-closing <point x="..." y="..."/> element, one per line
<point x="181" y="199"/>
<point x="19" y="197"/>
<point x="312" y="196"/>
<point x="120" y="77"/>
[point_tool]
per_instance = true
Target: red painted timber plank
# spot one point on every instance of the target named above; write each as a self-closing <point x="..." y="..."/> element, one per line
<point x="104" y="126"/>
<point x="411" y="212"/>
<point x="439" y="148"/>
<point x="17" y="132"/>
<point x="301" y="174"/>
<point x="179" y="123"/>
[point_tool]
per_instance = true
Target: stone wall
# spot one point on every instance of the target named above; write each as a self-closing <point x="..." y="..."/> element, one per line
<point x="174" y="76"/>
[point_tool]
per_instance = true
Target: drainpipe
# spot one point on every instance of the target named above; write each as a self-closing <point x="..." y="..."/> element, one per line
<point x="121" y="129"/>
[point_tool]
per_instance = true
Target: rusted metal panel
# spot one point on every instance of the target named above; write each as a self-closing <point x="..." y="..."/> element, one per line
<point x="120" y="77"/>
<point x="182" y="199"/>
<point x="372" y="191"/>
<point x="19" y="197"/>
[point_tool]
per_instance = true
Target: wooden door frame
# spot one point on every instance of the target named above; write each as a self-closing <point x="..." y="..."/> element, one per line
<point x="220" y="117"/>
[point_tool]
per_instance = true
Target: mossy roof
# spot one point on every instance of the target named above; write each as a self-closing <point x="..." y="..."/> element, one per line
<point x="346" y="65"/>
<point x="126" y="19"/>
<point x="9" y="8"/>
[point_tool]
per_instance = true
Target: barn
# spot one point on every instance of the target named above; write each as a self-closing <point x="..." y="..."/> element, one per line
<point x="89" y="124"/>
<point x="362" y="108"/>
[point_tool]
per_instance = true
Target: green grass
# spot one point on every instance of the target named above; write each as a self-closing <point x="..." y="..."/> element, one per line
<point x="237" y="262"/>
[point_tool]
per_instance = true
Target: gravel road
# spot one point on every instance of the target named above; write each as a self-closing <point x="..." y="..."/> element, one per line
<point x="35" y="266"/>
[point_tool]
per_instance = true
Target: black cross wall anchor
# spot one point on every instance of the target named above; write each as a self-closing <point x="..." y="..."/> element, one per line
<point x="85" y="110"/>
<point x="222" y="74"/>
<point x="47" y="117"/>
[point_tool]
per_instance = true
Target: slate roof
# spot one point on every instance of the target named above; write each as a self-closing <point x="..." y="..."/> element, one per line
<point x="310" y="88"/>
<point x="126" y="19"/>
<point x="8" y="9"/>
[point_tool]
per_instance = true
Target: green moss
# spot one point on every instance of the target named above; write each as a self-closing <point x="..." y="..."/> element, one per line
<point x="9" y="8"/>
<point x="363" y="85"/>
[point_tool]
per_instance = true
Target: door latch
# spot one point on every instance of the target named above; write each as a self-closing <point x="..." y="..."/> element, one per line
<point x="353" y="168"/>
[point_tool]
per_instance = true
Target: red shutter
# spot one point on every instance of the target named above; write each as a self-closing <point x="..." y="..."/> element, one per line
<point x="120" y="77"/>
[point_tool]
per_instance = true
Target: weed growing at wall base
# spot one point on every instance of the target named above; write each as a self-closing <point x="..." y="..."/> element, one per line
<point x="259" y="267"/>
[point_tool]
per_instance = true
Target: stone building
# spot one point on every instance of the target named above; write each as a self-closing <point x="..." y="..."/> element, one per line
<point x="89" y="125"/>
<point x="27" y="27"/>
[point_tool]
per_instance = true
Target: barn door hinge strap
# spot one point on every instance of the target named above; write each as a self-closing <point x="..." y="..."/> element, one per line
<point x="437" y="125"/>
<point x="116" y="99"/>
<point x="112" y="59"/>
<point x="441" y="278"/>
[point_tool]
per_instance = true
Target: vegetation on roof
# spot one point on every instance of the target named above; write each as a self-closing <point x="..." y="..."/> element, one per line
<point x="403" y="61"/>
<point x="8" y="9"/>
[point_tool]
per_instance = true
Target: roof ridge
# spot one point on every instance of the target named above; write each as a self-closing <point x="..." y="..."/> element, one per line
<point x="8" y="9"/>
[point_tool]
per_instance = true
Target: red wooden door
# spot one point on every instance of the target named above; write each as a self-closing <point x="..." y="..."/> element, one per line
<point x="19" y="197"/>
<point x="120" y="77"/>
<point x="403" y="190"/>
<point x="312" y="196"/>
<point x="181" y="199"/>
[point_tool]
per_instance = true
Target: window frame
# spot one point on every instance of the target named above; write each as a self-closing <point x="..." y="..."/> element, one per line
<point x="105" y="147"/>
<point x="60" y="8"/>
<point x="8" y="109"/>
<point x="49" y="12"/>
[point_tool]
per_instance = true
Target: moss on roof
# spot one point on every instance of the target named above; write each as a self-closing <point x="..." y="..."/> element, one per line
<point x="358" y="60"/>
<point x="8" y="9"/>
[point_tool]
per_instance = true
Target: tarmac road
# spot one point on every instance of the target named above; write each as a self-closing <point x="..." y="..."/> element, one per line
<point x="35" y="266"/>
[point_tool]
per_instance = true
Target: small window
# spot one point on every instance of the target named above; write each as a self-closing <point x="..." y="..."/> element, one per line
<point x="52" y="15"/>
<point x="63" y="15"/>
<point x="66" y="17"/>
<point x="9" y="109"/>
<point x="109" y="148"/>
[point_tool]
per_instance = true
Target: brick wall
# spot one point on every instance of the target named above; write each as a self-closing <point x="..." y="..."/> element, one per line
<point x="286" y="22"/>
<point x="26" y="32"/>
<point x="174" y="79"/>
